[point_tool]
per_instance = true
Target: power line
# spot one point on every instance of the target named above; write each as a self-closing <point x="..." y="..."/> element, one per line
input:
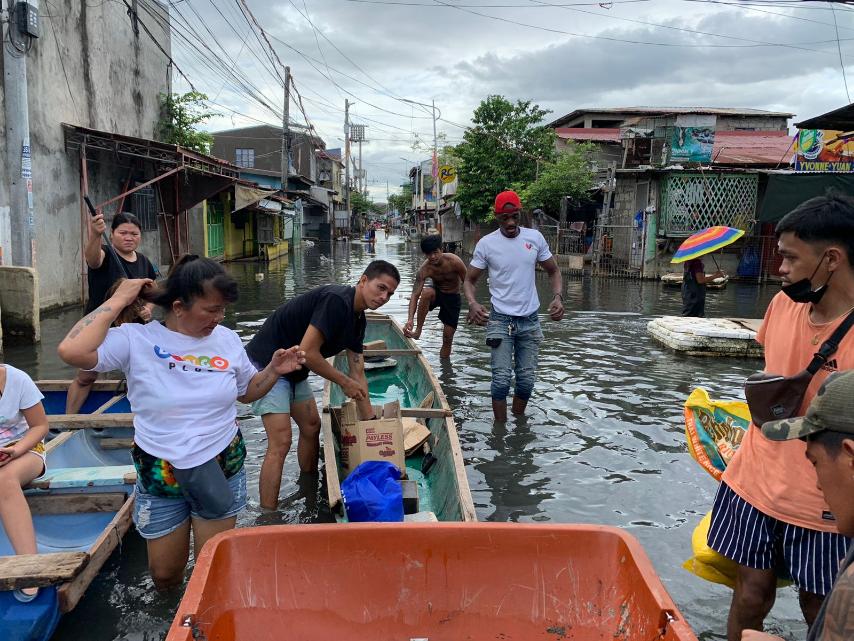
<point x="841" y="62"/>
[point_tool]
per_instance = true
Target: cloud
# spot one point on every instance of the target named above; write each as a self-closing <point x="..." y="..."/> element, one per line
<point x="456" y="58"/>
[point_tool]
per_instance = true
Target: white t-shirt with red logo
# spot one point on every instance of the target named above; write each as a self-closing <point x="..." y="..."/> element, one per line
<point x="181" y="389"/>
<point x="511" y="263"/>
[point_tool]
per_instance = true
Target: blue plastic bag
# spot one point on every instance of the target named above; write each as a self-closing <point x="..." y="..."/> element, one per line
<point x="372" y="493"/>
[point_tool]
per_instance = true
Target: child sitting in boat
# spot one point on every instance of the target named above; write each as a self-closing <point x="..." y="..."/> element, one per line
<point x="183" y="378"/>
<point x="23" y="426"/>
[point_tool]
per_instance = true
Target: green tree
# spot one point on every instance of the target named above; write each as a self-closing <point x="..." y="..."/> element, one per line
<point x="402" y="201"/>
<point x="501" y="149"/>
<point x="362" y="205"/>
<point x="180" y="115"/>
<point x="571" y="174"/>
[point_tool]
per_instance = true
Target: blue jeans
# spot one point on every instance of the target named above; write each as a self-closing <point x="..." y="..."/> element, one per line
<point x="515" y="342"/>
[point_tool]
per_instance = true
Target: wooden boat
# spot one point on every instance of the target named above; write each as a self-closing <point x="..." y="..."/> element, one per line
<point x="426" y="581"/>
<point x="444" y="490"/>
<point x="106" y="397"/>
<point x="81" y="510"/>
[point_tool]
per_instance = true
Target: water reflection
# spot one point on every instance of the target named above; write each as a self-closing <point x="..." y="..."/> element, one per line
<point x="603" y="441"/>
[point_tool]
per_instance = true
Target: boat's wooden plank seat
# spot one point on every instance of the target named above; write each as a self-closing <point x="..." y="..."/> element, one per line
<point x="389" y="352"/>
<point x="101" y="385"/>
<point x="84" y="421"/>
<point x="115" y="443"/>
<point x="65" y="477"/>
<point x="76" y="503"/>
<point x="37" y="570"/>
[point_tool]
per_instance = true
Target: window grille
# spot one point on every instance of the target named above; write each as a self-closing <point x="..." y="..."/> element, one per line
<point x="143" y="205"/>
<point x="244" y="158"/>
<point x="694" y="201"/>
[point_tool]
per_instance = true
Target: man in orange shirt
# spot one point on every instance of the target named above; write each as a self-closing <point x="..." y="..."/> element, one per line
<point x="768" y="515"/>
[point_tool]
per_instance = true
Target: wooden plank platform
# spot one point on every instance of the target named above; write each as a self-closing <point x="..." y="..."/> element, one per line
<point x="84" y="421"/>
<point x="75" y="503"/>
<point x="705" y="336"/>
<point x="38" y="570"/>
<point x="64" y="477"/>
<point x="390" y="352"/>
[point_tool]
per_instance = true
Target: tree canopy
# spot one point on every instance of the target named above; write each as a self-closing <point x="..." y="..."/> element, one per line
<point x="570" y="174"/>
<point x="501" y="149"/>
<point x="180" y="114"/>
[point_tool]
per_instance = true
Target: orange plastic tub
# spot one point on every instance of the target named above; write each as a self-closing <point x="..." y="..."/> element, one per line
<point x="436" y="582"/>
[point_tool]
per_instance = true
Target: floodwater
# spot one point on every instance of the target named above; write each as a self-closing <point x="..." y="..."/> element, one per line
<point x="603" y="441"/>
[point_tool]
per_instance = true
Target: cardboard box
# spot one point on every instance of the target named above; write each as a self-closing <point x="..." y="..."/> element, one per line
<point x="378" y="440"/>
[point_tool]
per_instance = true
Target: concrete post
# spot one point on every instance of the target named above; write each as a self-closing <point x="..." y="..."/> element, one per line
<point x="19" y="155"/>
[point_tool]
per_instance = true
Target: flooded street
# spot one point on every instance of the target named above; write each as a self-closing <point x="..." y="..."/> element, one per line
<point x="603" y="441"/>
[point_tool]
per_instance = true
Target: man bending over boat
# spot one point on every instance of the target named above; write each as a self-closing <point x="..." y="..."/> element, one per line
<point x="511" y="254"/>
<point x="448" y="272"/>
<point x="323" y="321"/>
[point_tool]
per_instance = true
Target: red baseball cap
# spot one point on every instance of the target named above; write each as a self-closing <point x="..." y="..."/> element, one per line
<point x="507" y="201"/>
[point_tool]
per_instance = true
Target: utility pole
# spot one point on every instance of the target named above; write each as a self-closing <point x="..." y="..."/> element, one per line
<point x="19" y="154"/>
<point x="435" y="165"/>
<point x="361" y="176"/>
<point x="286" y="133"/>
<point x="347" y="154"/>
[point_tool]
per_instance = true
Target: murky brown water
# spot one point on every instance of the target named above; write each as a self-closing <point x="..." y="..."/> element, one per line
<point x="603" y="441"/>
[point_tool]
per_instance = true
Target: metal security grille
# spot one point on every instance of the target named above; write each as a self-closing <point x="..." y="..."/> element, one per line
<point x="618" y="251"/>
<point x="144" y="207"/>
<point x="690" y="202"/>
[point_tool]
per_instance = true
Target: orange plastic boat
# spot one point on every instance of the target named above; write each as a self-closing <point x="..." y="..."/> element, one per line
<point x="431" y="581"/>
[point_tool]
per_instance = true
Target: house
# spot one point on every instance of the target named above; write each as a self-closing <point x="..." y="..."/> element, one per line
<point x="671" y="172"/>
<point x="93" y="66"/>
<point x="257" y="150"/>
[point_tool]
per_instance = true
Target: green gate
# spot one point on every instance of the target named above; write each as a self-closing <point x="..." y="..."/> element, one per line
<point x="216" y="229"/>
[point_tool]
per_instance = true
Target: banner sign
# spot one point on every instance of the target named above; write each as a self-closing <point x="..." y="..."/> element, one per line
<point x="692" y="139"/>
<point x="824" y="150"/>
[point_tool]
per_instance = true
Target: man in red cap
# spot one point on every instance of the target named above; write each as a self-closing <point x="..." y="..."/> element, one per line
<point x="511" y="254"/>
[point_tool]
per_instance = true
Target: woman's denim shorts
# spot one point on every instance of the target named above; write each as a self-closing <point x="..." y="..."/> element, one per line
<point x="156" y="516"/>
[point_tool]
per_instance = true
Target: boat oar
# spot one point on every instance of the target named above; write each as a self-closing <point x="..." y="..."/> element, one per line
<point x="107" y="242"/>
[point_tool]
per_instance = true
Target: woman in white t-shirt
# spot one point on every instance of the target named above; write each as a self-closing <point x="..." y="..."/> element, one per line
<point x="23" y="426"/>
<point x="183" y="377"/>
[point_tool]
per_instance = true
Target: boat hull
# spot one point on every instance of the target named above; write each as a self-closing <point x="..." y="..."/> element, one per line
<point x="444" y="490"/>
<point x="81" y="508"/>
<point x="427" y="581"/>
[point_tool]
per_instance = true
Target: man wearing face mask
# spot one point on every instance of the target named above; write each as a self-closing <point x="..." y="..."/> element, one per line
<point x="511" y="254"/>
<point x="768" y="514"/>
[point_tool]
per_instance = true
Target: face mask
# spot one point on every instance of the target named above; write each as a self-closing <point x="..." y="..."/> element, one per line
<point x="802" y="291"/>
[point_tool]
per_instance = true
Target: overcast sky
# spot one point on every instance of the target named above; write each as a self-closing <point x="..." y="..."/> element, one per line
<point x="565" y="57"/>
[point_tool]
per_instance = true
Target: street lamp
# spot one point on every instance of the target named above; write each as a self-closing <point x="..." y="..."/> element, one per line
<point x="432" y="106"/>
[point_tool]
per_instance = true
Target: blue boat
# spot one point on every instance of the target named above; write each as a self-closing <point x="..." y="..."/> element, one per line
<point x="81" y="510"/>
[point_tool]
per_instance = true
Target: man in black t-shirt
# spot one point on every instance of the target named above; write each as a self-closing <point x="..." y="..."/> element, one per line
<point x="323" y="322"/>
<point x="107" y="264"/>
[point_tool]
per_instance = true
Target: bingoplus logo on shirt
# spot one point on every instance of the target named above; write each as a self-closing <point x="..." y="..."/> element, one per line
<point x="189" y="362"/>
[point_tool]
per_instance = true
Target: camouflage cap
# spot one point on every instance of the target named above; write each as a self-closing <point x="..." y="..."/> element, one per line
<point x="831" y="409"/>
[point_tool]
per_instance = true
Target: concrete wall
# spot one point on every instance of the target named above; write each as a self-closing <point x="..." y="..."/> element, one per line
<point x="19" y="291"/>
<point x="89" y="69"/>
<point x="758" y="122"/>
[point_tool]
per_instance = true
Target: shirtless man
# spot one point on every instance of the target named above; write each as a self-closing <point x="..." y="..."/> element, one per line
<point x="448" y="272"/>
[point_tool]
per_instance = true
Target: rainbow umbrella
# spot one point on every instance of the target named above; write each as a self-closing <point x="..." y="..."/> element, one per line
<point x="705" y="242"/>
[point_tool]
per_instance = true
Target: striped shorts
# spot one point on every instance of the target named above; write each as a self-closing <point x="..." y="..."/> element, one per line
<point x="752" y="538"/>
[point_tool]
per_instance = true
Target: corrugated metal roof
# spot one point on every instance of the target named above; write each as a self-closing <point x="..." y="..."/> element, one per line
<point x="581" y="133"/>
<point x="660" y="111"/>
<point x="730" y="147"/>
<point x="752" y="148"/>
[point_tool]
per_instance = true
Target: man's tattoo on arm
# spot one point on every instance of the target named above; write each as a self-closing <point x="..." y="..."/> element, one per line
<point x="88" y="320"/>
